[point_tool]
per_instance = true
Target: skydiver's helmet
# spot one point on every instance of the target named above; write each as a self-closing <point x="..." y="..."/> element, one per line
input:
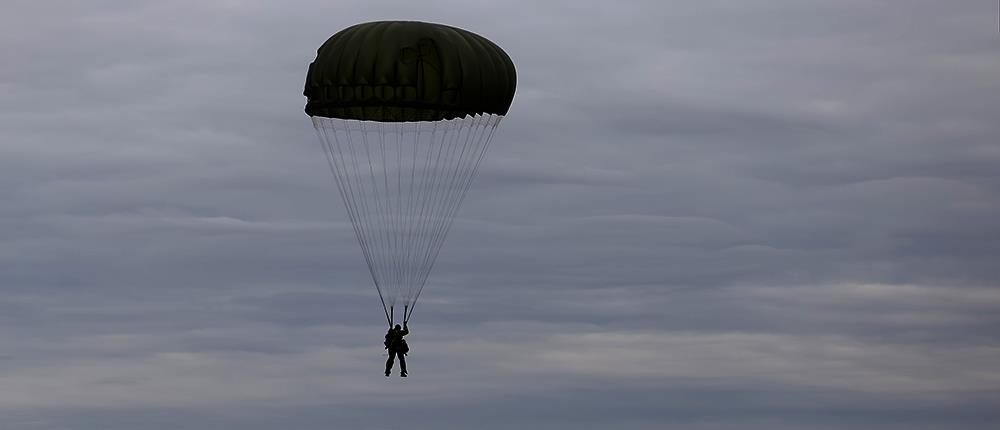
<point x="398" y="327"/>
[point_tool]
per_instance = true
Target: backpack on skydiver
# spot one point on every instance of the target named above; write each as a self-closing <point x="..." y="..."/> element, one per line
<point x="401" y="345"/>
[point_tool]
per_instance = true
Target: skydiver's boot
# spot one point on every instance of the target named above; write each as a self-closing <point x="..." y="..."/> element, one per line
<point x="403" y="374"/>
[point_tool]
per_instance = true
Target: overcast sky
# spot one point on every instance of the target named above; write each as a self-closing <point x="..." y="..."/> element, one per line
<point x="697" y="215"/>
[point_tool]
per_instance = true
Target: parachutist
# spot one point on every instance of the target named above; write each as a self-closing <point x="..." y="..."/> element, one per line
<point x="396" y="345"/>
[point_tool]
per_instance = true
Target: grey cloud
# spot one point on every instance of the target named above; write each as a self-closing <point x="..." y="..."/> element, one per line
<point x="774" y="214"/>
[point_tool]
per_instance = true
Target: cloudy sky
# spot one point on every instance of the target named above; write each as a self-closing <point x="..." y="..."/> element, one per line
<point x="698" y="215"/>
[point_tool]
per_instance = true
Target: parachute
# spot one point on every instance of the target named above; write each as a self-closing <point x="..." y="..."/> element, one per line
<point x="405" y="112"/>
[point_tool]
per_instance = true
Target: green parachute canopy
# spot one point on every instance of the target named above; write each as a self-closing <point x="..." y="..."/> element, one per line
<point x="403" y="71"/>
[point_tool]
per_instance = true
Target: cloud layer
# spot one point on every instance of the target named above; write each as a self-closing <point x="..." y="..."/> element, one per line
<point x="698" y="215"/>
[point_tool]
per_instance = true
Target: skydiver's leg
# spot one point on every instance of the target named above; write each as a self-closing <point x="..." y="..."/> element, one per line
<point x="402" y="364"/>
<point x="388" y="362"/>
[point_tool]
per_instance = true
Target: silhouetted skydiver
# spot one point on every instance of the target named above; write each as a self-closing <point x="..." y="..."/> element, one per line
<point x="396" y="345"/>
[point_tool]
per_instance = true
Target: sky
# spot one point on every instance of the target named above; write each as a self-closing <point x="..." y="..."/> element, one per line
<point x="779" y="214"/>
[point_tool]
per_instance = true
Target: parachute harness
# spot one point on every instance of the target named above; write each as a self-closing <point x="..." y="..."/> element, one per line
<point x="402" y="184"/>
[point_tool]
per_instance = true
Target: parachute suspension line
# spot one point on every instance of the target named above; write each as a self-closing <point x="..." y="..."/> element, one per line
<point x="488" y="130"/>
<point x="322" y="130"/>
<point x="403" y="205"/>
<point x="365" y="221"/>
<point x="369" y="222"/>
<point x="378" y="219"/>
<point x="371" y="171"/>
<point x="433" y="192"/>
<point x="408" y="224"/>
<point x="399" y="239"/>
<point x="440" y="203"/>
<point x="442" y="195"/>
<point x="444" y="191"/>
<point x="421" y="198"/>
<point x="411" y="219"/>
<point x="387" y="213"/>
<point x="383" y="209"/>
<point x="451" y="195"/>
<point x="392" y="213"/>
<point x="381" y="217"/>
<point x="398" y="219"/>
